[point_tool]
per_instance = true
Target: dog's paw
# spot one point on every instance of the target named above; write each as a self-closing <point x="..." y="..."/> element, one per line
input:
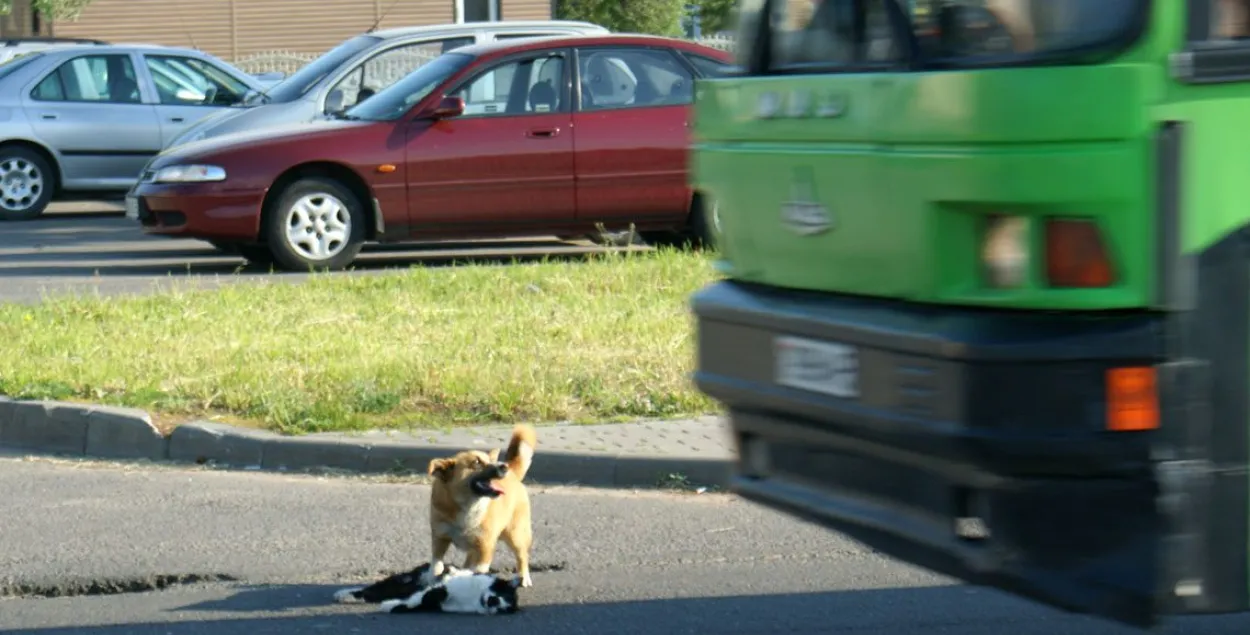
<point x="526" y="581"/>
<point x="392" y="606"/>
<point x="345" y="596"/>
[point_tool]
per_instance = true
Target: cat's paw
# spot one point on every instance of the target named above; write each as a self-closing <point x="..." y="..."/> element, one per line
<point x="345" y="596"/>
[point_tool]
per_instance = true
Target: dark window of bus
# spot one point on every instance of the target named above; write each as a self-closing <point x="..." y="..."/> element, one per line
<point x="854" y="33"/>
<point x="1220" y="20"/>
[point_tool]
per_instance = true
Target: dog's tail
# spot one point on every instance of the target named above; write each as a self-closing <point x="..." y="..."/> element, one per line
<point x="520" y="452"/>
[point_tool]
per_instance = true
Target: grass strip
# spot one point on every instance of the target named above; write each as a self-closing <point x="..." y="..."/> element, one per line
<point x="604" y="338"/>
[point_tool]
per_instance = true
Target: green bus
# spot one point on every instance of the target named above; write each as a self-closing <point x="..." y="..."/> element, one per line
<point x="985" y="292"/>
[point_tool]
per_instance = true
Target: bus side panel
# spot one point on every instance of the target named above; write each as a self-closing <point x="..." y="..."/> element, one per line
<point x="1207" y="293"/>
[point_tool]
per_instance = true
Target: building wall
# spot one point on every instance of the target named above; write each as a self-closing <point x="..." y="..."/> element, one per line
<point x="18" y="22"/>
<point x="232" y="29"/>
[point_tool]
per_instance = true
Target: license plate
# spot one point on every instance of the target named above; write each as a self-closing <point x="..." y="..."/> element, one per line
<point x="132" y="207"/>
<point x="824" y="367"/>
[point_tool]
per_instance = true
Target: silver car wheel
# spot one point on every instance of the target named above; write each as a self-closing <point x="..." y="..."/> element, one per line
<point x="317" y="226"/>
<point x="21" y="184"/>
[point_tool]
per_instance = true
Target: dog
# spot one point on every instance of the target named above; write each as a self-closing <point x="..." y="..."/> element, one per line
<point x="477" y="499"/>
<point x="399" y="586"/>
<point x="475" y="593"/>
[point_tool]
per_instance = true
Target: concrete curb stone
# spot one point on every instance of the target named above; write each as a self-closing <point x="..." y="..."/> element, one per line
<point x="123" y="433"/>
<point x="126" y="433"/>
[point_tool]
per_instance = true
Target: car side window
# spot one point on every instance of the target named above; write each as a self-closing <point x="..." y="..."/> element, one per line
<point x="92" y="79"/>
<point x="527" y="86"/>
<point x="188" y="81"/>
<point x="632" y="78"/>
<point x="391" y="65"/>
<point x="707" y="66"/>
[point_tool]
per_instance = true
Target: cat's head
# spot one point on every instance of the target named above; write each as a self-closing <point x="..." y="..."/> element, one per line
<point x="501" y="597"/>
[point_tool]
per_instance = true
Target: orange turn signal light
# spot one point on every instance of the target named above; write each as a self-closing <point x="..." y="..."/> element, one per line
<point x="1076" y="255"/>
<point x="1132" y="399"/>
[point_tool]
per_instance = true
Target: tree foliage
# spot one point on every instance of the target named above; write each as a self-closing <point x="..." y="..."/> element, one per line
<point x="717" y="15"/>
<point x="657" y="17"/>
<point x="52" y="9"/>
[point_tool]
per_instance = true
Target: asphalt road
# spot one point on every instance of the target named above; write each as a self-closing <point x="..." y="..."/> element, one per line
<point x="92" y="248"/>
<point x="606" y="563"/>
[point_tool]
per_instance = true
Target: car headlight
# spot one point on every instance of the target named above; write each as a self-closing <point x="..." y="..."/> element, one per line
<point x="189" y="174"/>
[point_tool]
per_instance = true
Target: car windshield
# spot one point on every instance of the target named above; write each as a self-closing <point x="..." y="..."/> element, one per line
<point x="829" y="35"/>
<point x="301" y="81"/>
<point x="398" y="98"/>
<point x="16" y="62"/>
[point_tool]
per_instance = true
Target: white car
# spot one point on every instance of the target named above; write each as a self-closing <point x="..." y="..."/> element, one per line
<point x="363" y="65"/>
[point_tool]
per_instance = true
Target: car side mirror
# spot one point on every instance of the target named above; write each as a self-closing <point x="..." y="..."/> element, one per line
<point x="446" y="108"/>
<point x="335" y="101"/>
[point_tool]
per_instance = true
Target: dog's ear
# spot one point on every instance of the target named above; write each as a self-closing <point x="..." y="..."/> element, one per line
<point x="494" y="455"/>
<point x="441" y="468"/>
<point x="516" y="582"/>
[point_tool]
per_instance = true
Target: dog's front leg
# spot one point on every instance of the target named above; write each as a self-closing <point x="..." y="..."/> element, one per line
<point x="439" y="545"/>
<point x="480" y="555"/>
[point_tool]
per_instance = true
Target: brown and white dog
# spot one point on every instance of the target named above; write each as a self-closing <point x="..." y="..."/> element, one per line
<point x="477" y="499"/>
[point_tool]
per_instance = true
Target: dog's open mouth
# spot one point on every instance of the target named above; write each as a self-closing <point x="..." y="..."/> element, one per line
<point x="486" y="486"/>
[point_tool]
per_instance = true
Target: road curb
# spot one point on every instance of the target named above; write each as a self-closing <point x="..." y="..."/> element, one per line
<point x="90" y="431"/>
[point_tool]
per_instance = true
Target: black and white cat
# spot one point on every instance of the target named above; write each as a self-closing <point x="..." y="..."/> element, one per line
<point x="399" y="586"/>
<point x="474" y="593"/>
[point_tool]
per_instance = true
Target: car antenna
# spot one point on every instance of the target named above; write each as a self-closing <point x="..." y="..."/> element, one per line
<point x="382" y="16"/>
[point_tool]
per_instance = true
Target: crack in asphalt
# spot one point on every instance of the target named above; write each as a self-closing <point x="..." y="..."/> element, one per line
<point x="108" y="586"/>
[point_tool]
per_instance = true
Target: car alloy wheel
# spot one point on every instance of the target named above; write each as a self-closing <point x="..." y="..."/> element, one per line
<point x="316" y="222"/>
<point x="318" y="226"/>
<point x="22" y="185"/>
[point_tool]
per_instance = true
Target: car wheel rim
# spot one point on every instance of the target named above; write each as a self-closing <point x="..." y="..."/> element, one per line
<point x="21" y="184"/>
<point x="317" y="226"/>
<point x="715" y="218"/>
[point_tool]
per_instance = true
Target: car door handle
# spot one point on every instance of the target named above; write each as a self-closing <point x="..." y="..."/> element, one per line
<point x="47" y="115"/>
<point x="176" y="119"/>
<point x="543" y="133"/>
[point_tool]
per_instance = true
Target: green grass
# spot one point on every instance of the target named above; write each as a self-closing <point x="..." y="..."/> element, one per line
<point x="606" y="338"/>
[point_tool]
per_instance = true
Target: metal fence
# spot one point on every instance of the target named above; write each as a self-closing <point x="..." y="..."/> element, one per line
<point x="391" y="66"/>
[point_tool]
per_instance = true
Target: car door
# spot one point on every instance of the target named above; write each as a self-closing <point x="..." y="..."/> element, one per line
<point x="387" y="67"/>
<point x="187" y="90"/>
<point x="507" y="162"/>
<point x="90" y="110"/>
<point x="632" y="134"/>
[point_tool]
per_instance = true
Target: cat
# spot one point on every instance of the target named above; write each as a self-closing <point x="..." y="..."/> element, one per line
<point x="474" y="593"/>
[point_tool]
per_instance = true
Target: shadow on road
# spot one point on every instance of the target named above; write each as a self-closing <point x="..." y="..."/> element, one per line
<point x="188" y="263"/>
<point x="952" y="610"/>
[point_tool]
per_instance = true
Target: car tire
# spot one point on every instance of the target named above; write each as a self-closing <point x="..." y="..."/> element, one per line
<point x="704" y="222"/>
<point x="700" y="230"/>
<point x="26" y="184"/>
<point x="315" y="223"/>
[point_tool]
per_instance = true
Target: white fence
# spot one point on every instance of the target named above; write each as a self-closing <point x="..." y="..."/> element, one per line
<point x="390" y="66"/>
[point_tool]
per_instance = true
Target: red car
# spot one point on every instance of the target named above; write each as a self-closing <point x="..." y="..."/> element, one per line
<point x="485" y="140"/>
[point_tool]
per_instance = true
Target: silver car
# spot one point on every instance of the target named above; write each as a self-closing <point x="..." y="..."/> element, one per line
<point x="363" y="65"/>
<point x="82" y="121"/>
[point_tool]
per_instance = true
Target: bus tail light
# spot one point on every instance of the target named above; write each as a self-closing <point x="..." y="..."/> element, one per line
<point x="1076" y="255"/>
<point x="1132" y="399"/>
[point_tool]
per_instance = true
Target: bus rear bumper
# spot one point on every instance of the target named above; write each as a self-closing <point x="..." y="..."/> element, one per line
<point x="974" y="445"/>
